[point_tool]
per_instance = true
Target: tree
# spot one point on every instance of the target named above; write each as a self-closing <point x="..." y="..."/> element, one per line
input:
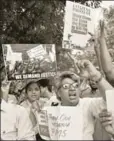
<point x="31" y="22"/>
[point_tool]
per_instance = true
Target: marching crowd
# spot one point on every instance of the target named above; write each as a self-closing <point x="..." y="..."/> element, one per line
<point x="86" y="87"/>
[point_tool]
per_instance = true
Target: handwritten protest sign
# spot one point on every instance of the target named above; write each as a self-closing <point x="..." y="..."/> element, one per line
<point x="29" y="61"/>
<point x="65" y="123"/>
<point x="79" y="20"/>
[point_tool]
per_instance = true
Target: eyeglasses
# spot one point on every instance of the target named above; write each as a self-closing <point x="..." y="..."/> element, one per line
<point x="68" y="86"/>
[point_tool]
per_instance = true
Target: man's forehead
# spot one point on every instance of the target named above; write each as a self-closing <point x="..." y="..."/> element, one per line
<point x="69" y="80"/>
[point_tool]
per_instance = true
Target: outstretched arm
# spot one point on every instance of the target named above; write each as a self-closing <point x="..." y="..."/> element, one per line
<point x="89" y="71"/>
<point x="105" y="56"/>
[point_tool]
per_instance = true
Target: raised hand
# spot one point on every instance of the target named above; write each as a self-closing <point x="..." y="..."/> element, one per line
<point x="87" y="70"/>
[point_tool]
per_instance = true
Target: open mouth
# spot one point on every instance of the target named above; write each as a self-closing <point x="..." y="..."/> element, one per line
<point x="72" y="96"/>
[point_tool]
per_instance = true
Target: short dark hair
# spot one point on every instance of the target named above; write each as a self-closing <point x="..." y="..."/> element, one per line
<point x="45" y="83"/>
<point x="63" y="75"/>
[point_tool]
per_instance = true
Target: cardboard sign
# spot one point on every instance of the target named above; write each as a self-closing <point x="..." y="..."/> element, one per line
<point x="43" y="125"/>
<point x="65" y="123"/>
<point x="110" y="100"/>
<point x="79" y="20"/>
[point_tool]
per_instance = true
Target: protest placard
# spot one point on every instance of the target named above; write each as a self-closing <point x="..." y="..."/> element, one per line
<point x="65" y="123"/>
<point x="43" y="125"/>
<point x="110" y="102"/>
<point x="78" y="21"/>
<point x="29" y="61"/>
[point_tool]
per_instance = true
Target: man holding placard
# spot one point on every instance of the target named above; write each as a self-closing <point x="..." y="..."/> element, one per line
<point x="68" y="89"/>
<point x="74" y="118"/>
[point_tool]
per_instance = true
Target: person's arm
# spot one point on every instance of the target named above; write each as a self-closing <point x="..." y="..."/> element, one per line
<point x="103" y="85"/>
<point x="89" y="71"/>
<point x="24" y="126"/>
<point x="105" y="56"/>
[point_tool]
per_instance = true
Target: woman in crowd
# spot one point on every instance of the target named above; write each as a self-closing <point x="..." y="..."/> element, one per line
<point x="33" y="92"/>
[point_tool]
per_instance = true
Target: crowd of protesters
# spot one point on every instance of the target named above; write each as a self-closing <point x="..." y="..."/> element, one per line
<point x="86" y="86"/>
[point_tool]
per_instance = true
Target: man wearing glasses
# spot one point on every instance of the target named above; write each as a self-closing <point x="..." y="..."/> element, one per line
<point x="67" y="87"/>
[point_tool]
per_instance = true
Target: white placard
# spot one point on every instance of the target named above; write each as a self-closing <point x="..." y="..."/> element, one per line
<point x="36" y="52"/>
<point x="79" y="20"/>
<point x="65" y="123"/>
<point x="110" y="100"/>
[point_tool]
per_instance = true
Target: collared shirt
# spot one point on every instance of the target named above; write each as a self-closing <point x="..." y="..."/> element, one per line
<point x="26" y="104"/>
<point x="90" y="107"/>
<point x="15" y="123"/>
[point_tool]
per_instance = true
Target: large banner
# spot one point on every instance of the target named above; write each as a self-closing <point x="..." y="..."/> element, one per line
<point x="29" y="61"/>
<point x="79" y="20"/>
<point x="64" y="123"/>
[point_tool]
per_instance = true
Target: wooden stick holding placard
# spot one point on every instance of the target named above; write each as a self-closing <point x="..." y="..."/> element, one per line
<point x="74" y="63"/>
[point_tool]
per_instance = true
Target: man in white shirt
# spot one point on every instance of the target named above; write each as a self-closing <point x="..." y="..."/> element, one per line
<point x="15" y="121"/>
<point x="68" y="90"/>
